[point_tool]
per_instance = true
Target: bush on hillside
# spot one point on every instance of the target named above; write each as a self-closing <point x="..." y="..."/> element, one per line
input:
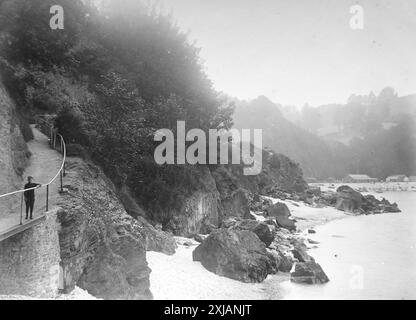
<point x="69" y="122"/>
<point x="162" y="189"/>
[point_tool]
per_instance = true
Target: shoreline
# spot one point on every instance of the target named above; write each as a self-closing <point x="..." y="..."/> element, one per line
<point x="371" y="247"/>
<point x="309" y="217"/>
<point x="178" y="277"/>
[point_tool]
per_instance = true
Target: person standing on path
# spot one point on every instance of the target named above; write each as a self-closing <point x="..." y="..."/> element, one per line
<point x="30" y="196"/>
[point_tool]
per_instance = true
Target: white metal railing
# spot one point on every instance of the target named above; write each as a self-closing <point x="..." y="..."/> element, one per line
<point x="53" y="136"/>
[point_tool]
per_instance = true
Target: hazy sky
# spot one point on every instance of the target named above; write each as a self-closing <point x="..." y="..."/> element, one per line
<point x="302" y="51"/>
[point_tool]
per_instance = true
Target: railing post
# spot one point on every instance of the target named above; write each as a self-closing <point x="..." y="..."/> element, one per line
<point x="64" y="154"/>
<point x="62" y="185"/>
<point x="51" y="137"/>
<point x="21" y="210"/>
<point x="47" y="198"/>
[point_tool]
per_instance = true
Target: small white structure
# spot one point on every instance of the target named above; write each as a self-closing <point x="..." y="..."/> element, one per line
<point x="397" y="178"/>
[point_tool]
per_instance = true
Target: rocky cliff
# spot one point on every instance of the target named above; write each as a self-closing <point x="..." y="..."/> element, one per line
<point x="199" y="209"/>
<point x="103" y="249"/>
<point x="279" y="173"/>
<point x="225" y="192"/>
<point x="104" y="236"/>
<point x="13" y="149"/>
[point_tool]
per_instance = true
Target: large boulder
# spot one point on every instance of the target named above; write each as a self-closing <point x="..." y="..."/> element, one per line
<point x="236" y="254"/>
<point x="261" y="229"/>
<point x="278" y="209"/>
<point x="391" y="208"/>
<point x="156" y="239"/>
<point x="353" y="201"/>
<point x="299" y="252"/>
<point x="286" y="262"/>
<point x="286" y="223"/>
<point x="370" y="203"/>
<point x="236" y="204"/>
<point x="348" y="199"/>
<point x="309" y="273"/>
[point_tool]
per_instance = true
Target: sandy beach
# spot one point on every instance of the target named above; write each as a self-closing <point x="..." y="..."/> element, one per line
<point x="178" y="277"/>
<point x="76" y="294"/>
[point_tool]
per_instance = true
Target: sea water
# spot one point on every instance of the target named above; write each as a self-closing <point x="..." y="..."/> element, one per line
<point x="366" y="257"/>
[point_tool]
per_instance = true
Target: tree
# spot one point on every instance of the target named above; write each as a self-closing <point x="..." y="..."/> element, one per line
<point x="32" y="41"/>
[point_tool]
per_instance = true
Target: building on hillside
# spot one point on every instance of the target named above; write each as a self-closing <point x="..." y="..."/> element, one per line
<point x="356" y="178"/>
<point x="397" y="178"/>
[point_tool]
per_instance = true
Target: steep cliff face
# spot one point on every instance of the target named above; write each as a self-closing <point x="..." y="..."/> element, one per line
<point x="236" y="190"/>
<point x="234" y="196"/>
<point x="199" y="209"/>
<point x="13" y="150"/>
<point x="226" y="192"/>
<point x="103" y="249"/>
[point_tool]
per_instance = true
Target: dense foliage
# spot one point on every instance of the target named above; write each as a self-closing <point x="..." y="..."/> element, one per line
<point x="113" y="76"/>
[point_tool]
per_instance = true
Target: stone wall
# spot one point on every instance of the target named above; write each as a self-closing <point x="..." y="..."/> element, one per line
<point x="29" y="260"/>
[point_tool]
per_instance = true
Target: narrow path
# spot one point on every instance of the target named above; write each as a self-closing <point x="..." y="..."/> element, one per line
<point x="44" y="164"/>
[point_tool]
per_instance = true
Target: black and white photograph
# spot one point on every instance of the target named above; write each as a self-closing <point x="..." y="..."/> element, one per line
<point x="207" y="150"/>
